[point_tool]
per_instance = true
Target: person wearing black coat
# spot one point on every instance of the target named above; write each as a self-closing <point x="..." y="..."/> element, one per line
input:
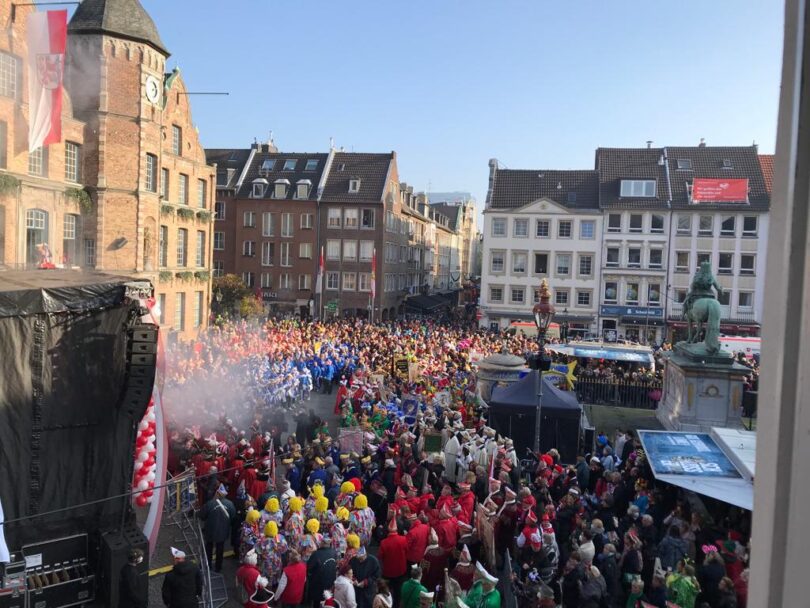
<point x="182" y="586"/>
<point x="321" y="572"/>
<point x="133" y="587"/>
<point x="573" y="575"/>
<point x="709" y="576"/>
<point x="608" y="565"/>
<point x="218" y="515"/>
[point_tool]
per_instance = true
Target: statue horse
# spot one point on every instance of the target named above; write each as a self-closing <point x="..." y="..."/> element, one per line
<point x="700" y="311"/>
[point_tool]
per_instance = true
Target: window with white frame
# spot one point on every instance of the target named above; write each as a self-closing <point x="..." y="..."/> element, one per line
<point x="289" y="164"/>
<point x="705" y="225"/>
<point x="521" y="227"/>
<point x="334" y="218"/>
<point x="286" y="225"/>
<point x="284" y="281"/>
<point x="684" y="224"/>
<point x="585" y="265"/>
<point x="637" y="188"/>
<point x="349" y="281"/>
<point x="496" y="261"/>
<point x="364" y="281"/>
<point x="305" y="251"/>
<point x="349" y="250"/>
<point x="182" y="241"/>
<point x="681" y="261"/>
<point x="268" y="223"/>
<point x="657" y="224"/>
<point x="728" y="225"/>
<point x="165" y="189"/>
<point x="703" y="258"/>
<point x="202" y="193"/>
<point x="747" y="263"/>
<point x="561" y="297"/>
<point x="541" y="229"/>
<point x="498" y="226"/>
<point x="611" y="292"/>
<point x="368" y="218"/>
<point x="306" y="221"/>
<point x="333" y="249"/>
<point x="745" y="299"/>
<point x="636" y="222"/>
<point x="198" y="308"/>
<point x="266" y="280"/>
<point x="563" y="264"/>
<point x="248" y="248"/>
<point x="304" y="281"/>
<point x="540" y="263"/>
<point x="219" y="241"/>
<point x="612" y="257"/>
<point x="656" y="258"/>
<point x="517" y="295"/>
<point x="73" y="155"/>
<point x="583" y="298"/>
<point x="267" y="166"/>
<point x="614" y="222"/>
<point x="634" y="257"/>
<point x="654" y="294"/>
<point x="219" y="210"/>
<point x="332" y="280"/>
<point x="268" y="252"/>
<point x="350" y="218"/>
<point x="248" y="278"/>
<point x="631" y="293"/>
<point x="70" y="239"/>
<point x="354" y="186"/>
<point x="9" y="75"/>
<point x="587" y="229"/>
<point x="180" y="311"/>
<point x="366" y="250"/>
<point x="199" y="258"/>
<point x="495" y="294"/>
<point x="38" y="163"/>
<point x="564" y="229"/>
<point x="218" y="268"/>
<point x="749" y="225"/>
<point x="258" y="188"/>
<point x="177" y="140"/>
<point x="182" y="190"/>
<point x="312" y="164"/>
<point x="90" y="253"/>
<point x="519" y="263"/>
<point x="302" y="189"/>
<point x="151" y="172"/>
<point x="725" y="263"/>
<point x="280" y="188"/>
<point x="163" y="246"/>
<point x="285" y="257"/>
<point x="249" y="219"/>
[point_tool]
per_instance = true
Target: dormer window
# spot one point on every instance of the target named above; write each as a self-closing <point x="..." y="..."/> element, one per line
<point x="289" y="164"/>
<point x="312" y="164"/>
<point x="354" y="185"/>
<point x="637" y="188"/>
<point x="259" y="187"/>
<point x="302" y="188"/>
<point x="280" y="188"/>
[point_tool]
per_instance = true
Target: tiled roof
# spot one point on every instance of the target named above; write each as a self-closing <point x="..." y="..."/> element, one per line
<point x="452" y="212"/>
<point x="740" y="162"/>
<point x="617" y="164"/>
<point x="117" y="18"/>
<point x="371" y="169"/>
<point x="575" y="189"/>
<point x="227" y="159"/>
<point x="258" y="170"/>
<point x="766" y="164"/>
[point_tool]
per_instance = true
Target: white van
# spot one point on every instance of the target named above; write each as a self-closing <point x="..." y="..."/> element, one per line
<point x="739" y="344"/>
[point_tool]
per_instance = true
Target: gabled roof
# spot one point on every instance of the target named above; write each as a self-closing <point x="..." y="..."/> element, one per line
<point x="258" y="170"/>
<point x="573" y="189"/>
<point x="452" y="212"/>
<point x="118" y="18"/>
<point x="227" y="159"/>
<point x="616" y="164"/>
<point x="708" y="162"/>
<point x="371" y="169"/>
<point x="766" y="164"/>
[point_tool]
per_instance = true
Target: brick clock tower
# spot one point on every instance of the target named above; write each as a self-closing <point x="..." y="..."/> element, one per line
<point x="143" y="163"/>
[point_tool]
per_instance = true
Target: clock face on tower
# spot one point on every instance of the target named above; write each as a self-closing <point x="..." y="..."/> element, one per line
<point x="152" y="89"/>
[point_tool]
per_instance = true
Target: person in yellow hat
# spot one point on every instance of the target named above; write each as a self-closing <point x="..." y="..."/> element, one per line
<point x="315" y="492"/>
<point x="294" y="526"/>
<point x="338" y="534"/>
<point x="325" y="517"/>
<point x="272" y="512"/>
<point x="271" y="549"/>
<point x="250" y="532"/>
<point x="346" y="496"/>
<point x="312" y="540"/>
<point x="361" y="520"/>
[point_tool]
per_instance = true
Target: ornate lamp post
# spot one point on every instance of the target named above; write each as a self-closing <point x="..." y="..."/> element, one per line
<point x="543" y="312"/>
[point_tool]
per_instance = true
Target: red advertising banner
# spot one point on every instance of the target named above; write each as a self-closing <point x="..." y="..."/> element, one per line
<point x="719" y="190"/>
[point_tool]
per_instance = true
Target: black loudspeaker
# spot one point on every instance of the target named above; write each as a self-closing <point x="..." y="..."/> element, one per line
<point x="113" y="556"/>
<point x="141" y="365"/>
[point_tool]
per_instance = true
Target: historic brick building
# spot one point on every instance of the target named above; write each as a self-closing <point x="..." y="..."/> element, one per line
<point x="128" y="142"/>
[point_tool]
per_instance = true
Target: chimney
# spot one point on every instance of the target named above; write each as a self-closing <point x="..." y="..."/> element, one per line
<point x="702" y="143"/>
<point x="649" y="144"/>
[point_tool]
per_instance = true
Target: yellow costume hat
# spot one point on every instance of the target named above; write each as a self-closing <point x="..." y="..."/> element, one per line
<point x="353" y="541"/>
<point x="343" y="514"/>
<point x="360" y="501"/>
<point x="271" y="529"/>
<point x="321" y="504"/>
<point x="347" y="487"/>
<point x="296" y="504"/>
<point x="313" y="525"/>
<point x="252" y="516"/>
<point x="317" y="490"/>
<point x="271" y="506"/>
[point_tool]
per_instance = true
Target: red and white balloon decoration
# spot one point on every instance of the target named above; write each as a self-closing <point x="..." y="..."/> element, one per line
<point x="143" y="479"/>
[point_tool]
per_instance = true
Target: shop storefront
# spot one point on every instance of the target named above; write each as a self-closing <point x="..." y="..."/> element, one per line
<point x="642" y="324"/>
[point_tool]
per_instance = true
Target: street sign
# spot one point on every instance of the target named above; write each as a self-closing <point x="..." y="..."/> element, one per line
<point x="331" y="306"/>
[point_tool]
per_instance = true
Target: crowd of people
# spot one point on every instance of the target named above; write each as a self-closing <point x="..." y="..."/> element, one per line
<point x="431" y="507"/>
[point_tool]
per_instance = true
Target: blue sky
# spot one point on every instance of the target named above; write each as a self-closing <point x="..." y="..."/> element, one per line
<point x="449" y="84"/>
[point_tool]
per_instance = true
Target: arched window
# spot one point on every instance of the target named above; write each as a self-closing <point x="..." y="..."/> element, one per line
<point x="36" y="233"/>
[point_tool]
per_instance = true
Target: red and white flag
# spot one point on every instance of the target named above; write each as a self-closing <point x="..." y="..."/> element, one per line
<point x="47" y="37"/>
<point x="319" y="280"/>
<point x="374" y="273"/>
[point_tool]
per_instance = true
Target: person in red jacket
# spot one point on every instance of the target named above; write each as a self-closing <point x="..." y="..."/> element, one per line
<point x="466" y="501"/>
<point x="447" y="530"/>
<point x="417" y="539"/>
<point x="290" y="591"/>
<point x="393" y="558"/>
<point x="249" y="580"/>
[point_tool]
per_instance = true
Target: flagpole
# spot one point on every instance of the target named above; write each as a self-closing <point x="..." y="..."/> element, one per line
<point x="373" y="281"/>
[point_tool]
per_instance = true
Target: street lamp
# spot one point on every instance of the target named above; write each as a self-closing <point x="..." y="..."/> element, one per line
<point x="543" y="312"/>
<point x="218" y="296"/>
<point x="564" y="326"/>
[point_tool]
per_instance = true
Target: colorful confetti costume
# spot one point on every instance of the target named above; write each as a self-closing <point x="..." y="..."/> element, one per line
<point x="309" y="544"/>
<point x="249" y="536"/>
<point x="294" y="530"/>
<point x="339" y="538"/>
<point x="271" y="551"/>
<point x="361" y="522"/>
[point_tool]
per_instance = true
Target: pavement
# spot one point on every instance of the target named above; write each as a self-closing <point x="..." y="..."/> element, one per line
<point x="171" y="535"/>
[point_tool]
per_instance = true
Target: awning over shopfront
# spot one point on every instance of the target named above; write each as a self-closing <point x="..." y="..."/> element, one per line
<point x="719" y="465"/>
<point x="425" y="303"/>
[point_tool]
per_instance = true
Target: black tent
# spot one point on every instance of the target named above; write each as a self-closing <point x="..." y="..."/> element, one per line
<point x="512" y="413"/>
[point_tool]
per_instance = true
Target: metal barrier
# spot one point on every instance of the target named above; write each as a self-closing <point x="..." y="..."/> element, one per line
<point x="620" y="393"/>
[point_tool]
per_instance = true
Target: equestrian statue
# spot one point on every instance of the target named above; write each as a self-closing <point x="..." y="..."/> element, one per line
<point x="701" y="306"/>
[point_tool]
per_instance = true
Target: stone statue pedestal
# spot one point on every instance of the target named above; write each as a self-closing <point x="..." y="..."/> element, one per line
<point x="500" y="368"/>
<point x="701" y="390"/>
